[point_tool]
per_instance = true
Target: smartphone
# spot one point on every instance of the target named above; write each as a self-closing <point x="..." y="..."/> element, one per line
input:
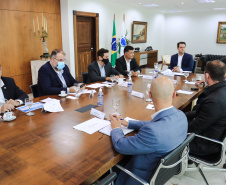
<point x="194" y="89"/>
<point x="81" y="86"/>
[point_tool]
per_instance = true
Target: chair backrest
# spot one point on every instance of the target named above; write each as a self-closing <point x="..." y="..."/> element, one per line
<point x="84" y="77"/>
<point x="166" y="59"/>
<point x="195" y="66"/>
<point x="170" y="165"/>
<point x="34" y="90"/>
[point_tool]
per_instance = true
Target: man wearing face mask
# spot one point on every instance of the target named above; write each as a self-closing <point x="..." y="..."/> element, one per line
<point x="54" y="76"/>
<point x="101" y="69"/>
<point x="10" y="94"/>
<point x="209" y="118"/>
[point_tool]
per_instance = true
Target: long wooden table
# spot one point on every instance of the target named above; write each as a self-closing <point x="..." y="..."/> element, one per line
<point x="45" y="149"/>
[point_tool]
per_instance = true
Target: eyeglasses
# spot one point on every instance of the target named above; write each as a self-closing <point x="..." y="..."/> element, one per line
<point x="60" y="60"/>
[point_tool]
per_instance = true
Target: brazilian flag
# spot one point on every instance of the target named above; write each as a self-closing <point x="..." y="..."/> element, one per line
<point x="113" y="46"/>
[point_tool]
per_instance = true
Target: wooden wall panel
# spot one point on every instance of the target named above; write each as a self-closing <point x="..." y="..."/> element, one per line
<point x="18" y="45"/>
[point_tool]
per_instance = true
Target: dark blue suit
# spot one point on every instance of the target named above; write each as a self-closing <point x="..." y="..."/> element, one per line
<point x="186" y="64"/>
<point x="154" y="140"/>
<point x="49" y="82"/>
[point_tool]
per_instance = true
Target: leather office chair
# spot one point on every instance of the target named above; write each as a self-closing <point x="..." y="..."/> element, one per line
<point x="168" y="166"/>
<point x="84" y="77"/>
<point x="195" y="66"/>
<point x="34" y="90"/>
<point x="214" y="162"/>
<point x="166" y="60"/>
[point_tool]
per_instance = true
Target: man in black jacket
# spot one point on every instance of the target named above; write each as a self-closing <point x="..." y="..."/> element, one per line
<point x="101" y="69"/>
<point x="209" y="119"/>
<point x="10" y="94"/>
<point x="127" y="63"/>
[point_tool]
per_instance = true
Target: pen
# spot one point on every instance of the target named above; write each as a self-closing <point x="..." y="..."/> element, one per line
<point x="120" y="119"/>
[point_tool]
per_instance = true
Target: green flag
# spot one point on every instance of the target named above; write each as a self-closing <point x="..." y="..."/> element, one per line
<point x="113" y="46"/>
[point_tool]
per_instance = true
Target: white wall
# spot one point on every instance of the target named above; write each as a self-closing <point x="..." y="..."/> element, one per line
<point x="197" y="29"/>
<point x="106" y="10"/>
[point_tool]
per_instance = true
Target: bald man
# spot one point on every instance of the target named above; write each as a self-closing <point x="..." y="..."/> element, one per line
<point x="155" y="138"/>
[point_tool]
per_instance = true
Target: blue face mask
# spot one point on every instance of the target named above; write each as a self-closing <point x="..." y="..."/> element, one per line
<point x="60" y="66"/>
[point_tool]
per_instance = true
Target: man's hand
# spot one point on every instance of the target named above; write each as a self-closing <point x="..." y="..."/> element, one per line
<point x="135" y="73"/>
<point x="72" y="89"/>
<point x="13" y="102"/>
<point x="7" y="107"/>
<point x="121" y="76"/>
<point x="197" y="84"/>
<point x="115" y="121"/>
<point x="83" y="86"/>
<point x="176" y="69"/>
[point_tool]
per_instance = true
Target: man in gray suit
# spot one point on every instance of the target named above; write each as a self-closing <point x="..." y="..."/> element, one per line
<point x="155" y="138"/>
<point x="101" y="69"/>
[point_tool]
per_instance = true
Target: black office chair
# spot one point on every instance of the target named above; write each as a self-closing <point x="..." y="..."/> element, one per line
<point x="168" y="166"/>
<point x="108" y="179"/>
<point x="195" y="66"/>
<point x="84" y="77"/>
<point x="34" y="90"/>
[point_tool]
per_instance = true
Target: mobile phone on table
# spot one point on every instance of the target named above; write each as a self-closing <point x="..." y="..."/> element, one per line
<point x="81" y="86"/>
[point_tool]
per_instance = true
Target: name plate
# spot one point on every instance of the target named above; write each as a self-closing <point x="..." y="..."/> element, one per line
<point x="137" y="94"/>
<point x="148" y="77"/>
<point x="150" y="106"/>
<point x="123" y="84"/>
<point x="97" y="113"/>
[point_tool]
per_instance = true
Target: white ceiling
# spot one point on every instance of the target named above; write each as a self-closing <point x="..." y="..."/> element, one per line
<point x="166" y="6"/>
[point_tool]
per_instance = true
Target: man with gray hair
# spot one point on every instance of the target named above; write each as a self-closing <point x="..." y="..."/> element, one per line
<point x="155" y="138"/>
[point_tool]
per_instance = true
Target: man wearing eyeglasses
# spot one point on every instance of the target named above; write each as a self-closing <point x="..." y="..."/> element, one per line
<point x="54" y="76"/>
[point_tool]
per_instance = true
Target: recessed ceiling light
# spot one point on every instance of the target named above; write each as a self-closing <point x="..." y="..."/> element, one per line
<point x="206" y="1"/>
<point x="182" y="2"/>
<point x="150" y="5"/>
<point x="219" y="8"/>
<point x="139" y="3"/>
<point x="174" y="11"/>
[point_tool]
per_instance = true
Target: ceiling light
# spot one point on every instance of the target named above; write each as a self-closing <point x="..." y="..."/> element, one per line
<point x="206" y="1"/>
<point x="150" y="5"/>
<point x="219" y="8"/>
<point x="174" y="11"/>
<point x="182" y="3"/>
<point x="139" y="3"/>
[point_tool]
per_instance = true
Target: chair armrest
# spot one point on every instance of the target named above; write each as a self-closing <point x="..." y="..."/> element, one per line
<point x="107" y="180"/>
<point x="132" y="175"/>
<point x="213" y="140"/>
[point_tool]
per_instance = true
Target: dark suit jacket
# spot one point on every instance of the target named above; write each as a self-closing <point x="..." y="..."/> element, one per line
<point x="11" y="90"/>
<point x="154" y="140"/>
<point x="94" y="72"/>
<point x="49" y="82"/>
<point x="122" y="68"/>
<point x="209" y="119"/>
<point x="186" y="64"/>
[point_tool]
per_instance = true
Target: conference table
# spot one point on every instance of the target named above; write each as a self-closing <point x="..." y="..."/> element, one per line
<point x="45" y="149"/>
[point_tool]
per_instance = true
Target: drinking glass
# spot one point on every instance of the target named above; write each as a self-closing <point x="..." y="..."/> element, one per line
<point x="156" y="66"/>
<point x="147" y="92"/>
<point x="129" y="73"/>
<point x="77" y="88"/>
<point x="186" y="74"/>
<point x="112" y="77"/>
<point x="29" y="103"/>
<point x="115" y="103"/>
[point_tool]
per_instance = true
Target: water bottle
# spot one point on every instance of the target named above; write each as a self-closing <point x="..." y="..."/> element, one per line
<point x="100" y="98"/>
<point x="129" y="85"/>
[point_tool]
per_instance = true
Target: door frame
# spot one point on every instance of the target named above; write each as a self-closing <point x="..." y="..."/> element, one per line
<point x="84" y="14"/>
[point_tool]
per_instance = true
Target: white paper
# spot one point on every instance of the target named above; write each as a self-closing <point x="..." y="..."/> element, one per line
<point x="184" y="92"/>
<point x="192" y="83"/>
<point x="96" y="85"/>
<point x="148" y="86"/>
<point x="140" y="75"/>
<point x="167" y="72"/>
<point x="84" y="91"/>
<point x="123" y="84"/>
<point x="137" y="94"/>
<point x="148" y="77"/>
<point x="178" y="74"/>
<point x="53" y="106"/>
<point x="92" y="125"/>
<point x="107" y="130"/>
<point x="71" y="97"/>
<point x="97" y="113"/>
<point x="151" y="72"/>
<point x="47" y="99"/>
<point x="150" y="106"/>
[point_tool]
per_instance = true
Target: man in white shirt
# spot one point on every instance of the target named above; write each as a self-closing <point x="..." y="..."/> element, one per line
<point x="181" y="61"/>
<point x="10" y="94"/>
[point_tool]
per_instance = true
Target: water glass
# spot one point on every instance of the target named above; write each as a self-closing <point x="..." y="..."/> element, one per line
<point x="115" y="103"/>
<point x="186" y="74"/>
<point x="29" y="103"/>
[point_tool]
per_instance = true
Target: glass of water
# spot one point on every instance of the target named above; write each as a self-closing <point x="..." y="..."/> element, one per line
<point x="115" y="103"/>
<point x="77" y="88"/>
<point x="156" y="66"/>
<point x="29" y="103"/>
<point x="112" y="77"/>
<point x="147" y="92"/>
<point x="186" y="74"/>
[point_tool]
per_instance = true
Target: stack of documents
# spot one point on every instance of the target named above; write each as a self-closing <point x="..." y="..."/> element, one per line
<point x="53" y="106"/>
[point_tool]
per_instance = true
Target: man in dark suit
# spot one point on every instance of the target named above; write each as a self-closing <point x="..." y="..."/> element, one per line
<point x="10" y="94"/>
<point x="54" y="76"/>
<point x="155" y="138"/>
<point x="101" y="69"/>
<point x="209" y="118"/>
<point x="127" y="62"/>
<point x="182" y="61"/>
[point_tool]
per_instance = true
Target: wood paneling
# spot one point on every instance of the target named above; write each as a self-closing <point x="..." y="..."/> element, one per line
<point x="18" y="45"/>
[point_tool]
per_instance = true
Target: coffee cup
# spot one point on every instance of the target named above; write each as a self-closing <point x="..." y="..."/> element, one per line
<point x="8" y="115"/>
<point x="198" y="78"/>
<point x="62" y="93"/>
<point x="120" y="80"/>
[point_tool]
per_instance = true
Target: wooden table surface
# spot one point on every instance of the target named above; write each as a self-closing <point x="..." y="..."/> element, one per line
<point x="45" y="149"/>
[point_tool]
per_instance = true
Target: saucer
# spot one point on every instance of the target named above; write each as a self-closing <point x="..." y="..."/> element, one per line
<point x="13" y="117"/>
<point x="62" y="95"/>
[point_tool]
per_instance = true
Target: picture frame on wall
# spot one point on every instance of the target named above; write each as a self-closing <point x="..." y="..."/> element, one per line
<point x="221" y="32"/>
<point x="139" y="32"/>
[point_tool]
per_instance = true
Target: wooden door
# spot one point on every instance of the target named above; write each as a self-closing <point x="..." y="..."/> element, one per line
<point x="86" y="39"/>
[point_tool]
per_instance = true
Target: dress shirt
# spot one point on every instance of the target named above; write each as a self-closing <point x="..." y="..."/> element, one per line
<point x="180" y="62"/>
<point x="102" y="70"/>
<point x="128" y="64"/>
